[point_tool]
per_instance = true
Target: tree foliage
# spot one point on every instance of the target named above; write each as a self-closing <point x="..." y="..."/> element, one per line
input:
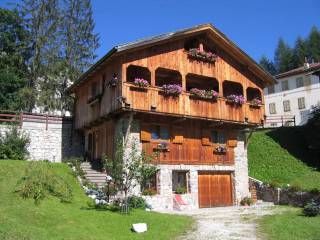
<point x="13" y="57"/>
<point x="287" y="58"/>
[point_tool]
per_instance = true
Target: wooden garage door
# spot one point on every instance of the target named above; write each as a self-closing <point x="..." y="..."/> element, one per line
<point x="215" y="189"/>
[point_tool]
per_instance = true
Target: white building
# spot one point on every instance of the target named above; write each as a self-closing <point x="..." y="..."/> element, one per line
<point x="291" y="100"/>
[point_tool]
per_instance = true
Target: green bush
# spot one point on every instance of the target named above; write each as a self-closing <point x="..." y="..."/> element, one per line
<point x="312" y="209"/>
<point x="76" y="163"/>
<point x="149" y="192"/>
<point x="181" y="190"/>
<point x="13" y="144"/>
<point x="295" y="186"/>
<point x="137" y="202"/>
<point x="246" y="201"/>
<point x="39" y="181"/>
<point x="275" y="184"/>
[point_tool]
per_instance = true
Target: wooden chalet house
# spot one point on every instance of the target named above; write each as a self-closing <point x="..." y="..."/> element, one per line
<point x="189" y="95"/>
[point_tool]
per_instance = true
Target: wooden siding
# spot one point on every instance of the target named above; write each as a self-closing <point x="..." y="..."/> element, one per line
<point x="215" y="189"/>
<point x="191" y="150"/>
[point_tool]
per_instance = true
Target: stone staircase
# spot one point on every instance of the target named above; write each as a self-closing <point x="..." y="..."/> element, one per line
<point x="94" y="176"/>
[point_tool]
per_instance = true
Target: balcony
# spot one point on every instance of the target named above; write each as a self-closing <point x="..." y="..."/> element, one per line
<point x="153" y="99"/>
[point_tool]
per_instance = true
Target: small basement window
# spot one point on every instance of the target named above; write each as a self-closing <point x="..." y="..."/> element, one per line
<point x="230" y="88"/>
<point x="167" y="76"/>
<point x="180" y="182"/>
<point x="201" y="82"/>
<point x="160" y="132"/>
<point x="253" y="93"/>
<point x="134" y="72"/>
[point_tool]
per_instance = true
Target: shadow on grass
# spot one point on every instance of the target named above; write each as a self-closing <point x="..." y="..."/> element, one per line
<point x="293" y="139"/>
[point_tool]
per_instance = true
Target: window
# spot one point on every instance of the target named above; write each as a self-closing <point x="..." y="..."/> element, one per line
<point x="180" y="181"/>
<point x="285" y="85"/>
<point x="299" y="82"/>
<point x="160" y="133"/>
<point x="301" y="103"/>
<point x="286" y="106"/>
<point x="218" y="137"/>
<point x="271" y="89"/>
<point x="272" y="108"/>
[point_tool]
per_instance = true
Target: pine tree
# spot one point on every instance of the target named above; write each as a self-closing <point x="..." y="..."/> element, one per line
<point x="314" y="44"/>
<point x="42" y="21"/>
<point x="267" y="65"/>
<point x="79" y="41"/>
<point x="283" y="57"/>
<point x="300" y="52"/>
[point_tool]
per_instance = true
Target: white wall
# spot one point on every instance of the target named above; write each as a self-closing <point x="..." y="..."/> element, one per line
<point x="311" y="94"/>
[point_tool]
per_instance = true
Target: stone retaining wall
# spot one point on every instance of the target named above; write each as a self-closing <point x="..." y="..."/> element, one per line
<point x="53" y="143"/>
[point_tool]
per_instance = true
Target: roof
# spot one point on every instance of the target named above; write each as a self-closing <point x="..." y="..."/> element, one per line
<point x="209" y="28"/>
<point x="312" y="68"/>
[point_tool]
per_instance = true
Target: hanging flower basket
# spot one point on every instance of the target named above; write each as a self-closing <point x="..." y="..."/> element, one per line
<point x="220" y="150"/>
<point x="140" y="82"/>
<point x="236" y="100"/>
<point x="173" y="90"/>
<point x="195" y="53"/>
<point x="203" y="94"/>
<point x="256" y="103"/>
<point x="113" y="82"/>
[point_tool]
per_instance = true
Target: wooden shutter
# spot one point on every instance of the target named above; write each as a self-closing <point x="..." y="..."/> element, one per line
<point x="145" y="133"/>
<point x="177" y="135"/>
<point x="232" y="139"/>
<point x="206" y="135"/>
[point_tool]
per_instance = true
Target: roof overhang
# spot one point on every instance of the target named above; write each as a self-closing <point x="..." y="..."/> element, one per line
<point x="209" y="29"/>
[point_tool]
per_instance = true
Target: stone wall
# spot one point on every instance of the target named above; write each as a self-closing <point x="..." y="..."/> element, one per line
<point x="54" y="143"/>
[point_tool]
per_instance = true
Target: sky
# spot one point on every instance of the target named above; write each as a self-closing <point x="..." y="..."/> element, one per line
<point x="254" y="25"/>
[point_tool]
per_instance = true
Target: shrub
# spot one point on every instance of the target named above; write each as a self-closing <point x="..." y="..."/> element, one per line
<point x="312" y="209"/>
<point x="149" y="192"/>
<point x="137" y="202"/>
<point x="315" y="191"/>
<point x="275" y="184"/>
<point x="39" y="181"/>
<point x="13" y="144"/>
<point x="181" y="190"/>
<point x="76" y="163"/>
<point x="295" y="186"/>
<point x="246" y="201"/>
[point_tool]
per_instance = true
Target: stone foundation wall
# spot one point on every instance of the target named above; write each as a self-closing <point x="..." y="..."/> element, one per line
<point x="55" y="143"/>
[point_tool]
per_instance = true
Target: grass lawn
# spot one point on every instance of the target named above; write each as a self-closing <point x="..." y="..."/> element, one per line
<point x="281" y="155"/>
<point x="22" y="220"/>
<point x="290" y="225"/>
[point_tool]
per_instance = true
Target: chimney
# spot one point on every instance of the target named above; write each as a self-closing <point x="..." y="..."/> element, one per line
<point x="306" y="64"/>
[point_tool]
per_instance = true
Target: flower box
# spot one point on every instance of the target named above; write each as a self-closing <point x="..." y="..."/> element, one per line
<point x="256" y="103"/>
<point x="195" y="53"/>
<point x="236" y="100"/>
<point x="173" y="90"/>
<point x="203" y="94"/>
<point x="220" y="150"/>
<point x="140" y="82"/>
<point x="162" y="147"/>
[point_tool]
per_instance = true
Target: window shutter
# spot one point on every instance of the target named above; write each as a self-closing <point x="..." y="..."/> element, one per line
<point x="177" y="135"/>
<point x="145" y="133"/>
<point x="232" y="139"/>
<point x="206" y="134"/>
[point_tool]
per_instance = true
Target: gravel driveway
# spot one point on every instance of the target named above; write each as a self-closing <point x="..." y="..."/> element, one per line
<point x="227" y="222"/>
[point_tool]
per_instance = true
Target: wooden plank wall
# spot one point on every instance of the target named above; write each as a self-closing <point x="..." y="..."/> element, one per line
<point x="191" y="150"/>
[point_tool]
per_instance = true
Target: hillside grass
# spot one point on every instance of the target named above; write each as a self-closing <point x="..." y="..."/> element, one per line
<point x="281" y="155"/>
<point x="290" y="225"/>
<point x="22" y="220"/>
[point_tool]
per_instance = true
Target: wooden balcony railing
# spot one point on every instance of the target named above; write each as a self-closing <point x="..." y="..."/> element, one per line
<point x="152" y="98"/>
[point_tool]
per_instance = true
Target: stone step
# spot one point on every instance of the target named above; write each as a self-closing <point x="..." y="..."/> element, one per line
<point x="96" y="175"/>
